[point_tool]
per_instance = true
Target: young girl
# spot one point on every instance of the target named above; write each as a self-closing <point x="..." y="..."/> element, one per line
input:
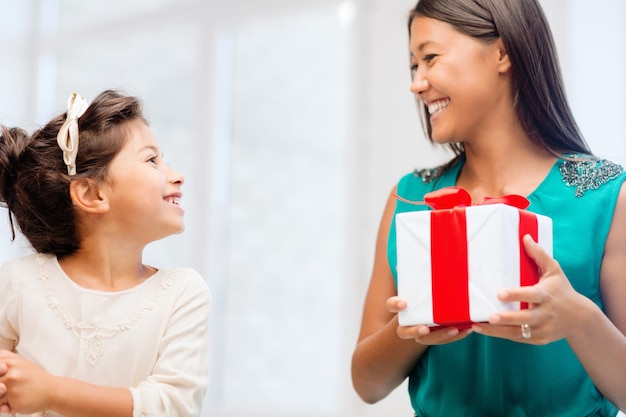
<point x="488" y="82"/>
<point x="86" y="328"/>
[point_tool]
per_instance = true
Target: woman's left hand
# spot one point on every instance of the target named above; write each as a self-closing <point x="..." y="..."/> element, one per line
<point x="553" y="305"/>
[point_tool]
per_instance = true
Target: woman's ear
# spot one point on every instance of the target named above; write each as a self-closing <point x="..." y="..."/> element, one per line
<point x="87" y="196"/>
<point x="504" y="63"/>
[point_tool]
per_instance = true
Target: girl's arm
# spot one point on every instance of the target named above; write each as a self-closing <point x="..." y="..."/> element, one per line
<point x="180" y="377"/>
<point x="175" y="388"/>
<point x="33" y="390"/>
<point x="386" y="353"/>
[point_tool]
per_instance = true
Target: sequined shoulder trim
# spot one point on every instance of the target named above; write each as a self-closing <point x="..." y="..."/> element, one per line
<point x="429" y="175"/>
<point x="587" y="172"/>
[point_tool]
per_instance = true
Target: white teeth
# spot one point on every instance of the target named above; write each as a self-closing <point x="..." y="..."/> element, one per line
<point x="173" y="200"/>
<point x="438" y="106"/>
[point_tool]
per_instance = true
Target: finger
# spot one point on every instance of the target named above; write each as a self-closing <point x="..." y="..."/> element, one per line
<point x="396" y="304"/>
<point x="3" y="368"/>
<point x="443" y="336"/>
<point x="3" y="389"/>
<point x="512" y="318"/>
<point x="6" y="354"/>
<point x="412" y="332"/>
<point x="527" y="294"/>
<point x="513" y="333"/>
<point x="544" y="261"/>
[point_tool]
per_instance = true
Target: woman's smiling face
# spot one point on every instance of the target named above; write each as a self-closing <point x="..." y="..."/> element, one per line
<point x="457" y="77"/>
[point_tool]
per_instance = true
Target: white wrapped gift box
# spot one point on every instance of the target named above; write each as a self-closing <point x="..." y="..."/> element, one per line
<point x="495" y="260"/>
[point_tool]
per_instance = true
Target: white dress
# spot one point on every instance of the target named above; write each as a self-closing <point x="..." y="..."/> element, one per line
<point x="153" y="338"/>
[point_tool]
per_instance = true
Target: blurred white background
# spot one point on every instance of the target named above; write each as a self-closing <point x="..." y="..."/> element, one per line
<point x="292" y="120"/>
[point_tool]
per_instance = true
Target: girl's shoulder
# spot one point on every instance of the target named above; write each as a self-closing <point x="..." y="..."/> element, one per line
<point x="185" y="282"/>
<point x="182" y="276"/>
<point x="23" y="265"/>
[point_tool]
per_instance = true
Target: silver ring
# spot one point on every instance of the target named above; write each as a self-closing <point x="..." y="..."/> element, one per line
<point x="525" y="331"/>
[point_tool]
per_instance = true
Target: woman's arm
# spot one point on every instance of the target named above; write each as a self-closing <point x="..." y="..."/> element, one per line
<point x="558" y="311"/>
<point x="386" y="353"/>
<point x="599" y="341"/>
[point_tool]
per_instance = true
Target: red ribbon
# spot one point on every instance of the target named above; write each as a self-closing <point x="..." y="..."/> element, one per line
<point x="450" y="292"/>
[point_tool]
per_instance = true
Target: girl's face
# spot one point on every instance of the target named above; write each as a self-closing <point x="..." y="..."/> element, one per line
<point x="458" y="78"/>
<point x="144" y="192"/>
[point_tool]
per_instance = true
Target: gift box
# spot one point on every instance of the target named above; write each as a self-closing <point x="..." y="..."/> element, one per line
<point x="454" y="259"/>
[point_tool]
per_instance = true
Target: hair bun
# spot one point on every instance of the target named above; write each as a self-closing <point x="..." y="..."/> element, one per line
<point x="13" y="141"/>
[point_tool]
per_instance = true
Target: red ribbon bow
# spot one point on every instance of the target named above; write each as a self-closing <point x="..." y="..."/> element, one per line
<point x="450" y="197"/>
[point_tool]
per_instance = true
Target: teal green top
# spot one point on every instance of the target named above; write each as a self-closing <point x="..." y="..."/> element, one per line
<point x="481" y="376"/>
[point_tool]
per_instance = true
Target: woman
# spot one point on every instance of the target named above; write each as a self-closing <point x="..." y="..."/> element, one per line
<point x="486" y="75"/>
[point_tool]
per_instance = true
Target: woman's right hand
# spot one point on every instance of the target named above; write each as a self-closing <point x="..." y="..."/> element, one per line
<point x="387" y="353"/>
<point x="423" y="334"/>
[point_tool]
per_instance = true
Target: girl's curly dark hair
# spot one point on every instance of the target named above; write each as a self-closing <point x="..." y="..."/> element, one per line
<point x="34" y="184"/>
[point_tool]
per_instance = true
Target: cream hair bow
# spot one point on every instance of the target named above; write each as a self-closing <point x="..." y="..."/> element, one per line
<point x="68" y="135"/>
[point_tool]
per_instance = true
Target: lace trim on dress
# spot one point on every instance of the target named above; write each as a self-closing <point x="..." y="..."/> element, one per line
<point x="587" y="172"/>
<point x="94" y="332"/>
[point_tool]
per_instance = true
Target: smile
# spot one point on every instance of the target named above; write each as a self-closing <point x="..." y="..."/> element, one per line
<point x="438" y="106"/>
<point x="173" y="200"/>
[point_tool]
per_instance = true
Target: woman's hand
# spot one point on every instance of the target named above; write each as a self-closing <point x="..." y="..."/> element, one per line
<point x="421" y="333"/>
<point x="27" y="387"/>
<point x="553" y="310"/>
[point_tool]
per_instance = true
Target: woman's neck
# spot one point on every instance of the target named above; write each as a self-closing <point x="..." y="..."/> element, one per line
<point x="505" y="167"/>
